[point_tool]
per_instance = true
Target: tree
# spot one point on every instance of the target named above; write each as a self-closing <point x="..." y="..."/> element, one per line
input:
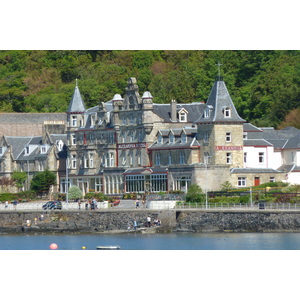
<point x="42" y="181"/>
<point x="6" y="182"/>
<point x="19" y="178"/>
<point x="74" y="193"/>
<point x="194" y="194"/>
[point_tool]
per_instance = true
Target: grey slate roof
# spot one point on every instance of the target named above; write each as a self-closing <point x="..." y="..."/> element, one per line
<point x="76" y="105"/>
<point x="254" y="142"/>
<point x="219" y="99"/>
<point x="249" y="127"/>
<point x="253" y="170"/>
<point x="17" y="144"/>
<point x="195" y="110"/>
<point x="25" y="118"/>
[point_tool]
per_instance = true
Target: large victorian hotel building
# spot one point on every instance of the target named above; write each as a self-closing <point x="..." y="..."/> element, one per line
<point x="131" y="144"/>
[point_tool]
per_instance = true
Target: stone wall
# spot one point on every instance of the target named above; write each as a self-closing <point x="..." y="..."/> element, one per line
<point x="118" y="221"/>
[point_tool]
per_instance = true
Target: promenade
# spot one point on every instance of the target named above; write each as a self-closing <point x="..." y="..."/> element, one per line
<point x="130" y="204"/>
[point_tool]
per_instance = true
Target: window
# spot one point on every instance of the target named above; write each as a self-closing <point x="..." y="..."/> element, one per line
<point x="91" y="158"/>
<point x="73" y="159"/>
<point x="74" y="121"/>
<point x="241" y="181"/>
<point x="157" y="159"/>
<point x="206" y="136"/>
<point x="183" y="138"/>
<point x="111" y="160"/>
<point x="93" y="118"/>
<point x="228" y="137"/>
<point x="135" y="183"/>
<point x="272" y="179"/>
<point x="245" y="135"/>
<point x="293" y="157"/>
<point x="123" y="155"/>
<point x="227" y="112"/>
<point x="228" y="158"/>
<point x="131" y="136"/>
<point x="160" y="139"/>
<point x="158" y="183"/>
<point x="73" y="139"/>
<point x="131" y="157"/>
<point x="206" y="113"/>
<point x="122" y="137"/>
<point x="41" y="166"/>
<point x="43" y="149"/>
<point x="245" y="157"/>
<point x="132" y="120"/>
<point x="139" y="157"/>
<point x="182" y="158"/>
<point x="182" y="117"/>
<point x="140" y="136"/>
<point x="261" y="157"/>
<point x="171" y="139"/>
<point x="124" y="120"/>
<point x="170" y="159"/>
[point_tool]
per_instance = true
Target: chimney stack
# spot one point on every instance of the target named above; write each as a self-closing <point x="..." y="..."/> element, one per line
<point x="173" y="111"/>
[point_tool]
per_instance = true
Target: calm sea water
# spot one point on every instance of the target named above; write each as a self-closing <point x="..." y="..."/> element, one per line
<point x="173" y="241"/>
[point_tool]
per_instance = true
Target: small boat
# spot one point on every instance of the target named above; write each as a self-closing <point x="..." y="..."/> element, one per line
<point x="115" y="247"/>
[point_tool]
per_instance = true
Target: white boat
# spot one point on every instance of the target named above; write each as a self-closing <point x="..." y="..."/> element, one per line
<point x="115" y="247"/>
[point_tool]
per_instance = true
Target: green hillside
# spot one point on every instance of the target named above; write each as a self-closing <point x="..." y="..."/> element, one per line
<point x="264" y="85"/>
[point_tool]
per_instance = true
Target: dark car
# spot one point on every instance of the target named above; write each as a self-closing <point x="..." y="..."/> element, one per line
<point x="52" y="205"/>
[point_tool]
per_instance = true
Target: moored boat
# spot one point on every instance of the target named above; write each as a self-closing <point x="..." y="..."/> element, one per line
<point x="115" y="247"/>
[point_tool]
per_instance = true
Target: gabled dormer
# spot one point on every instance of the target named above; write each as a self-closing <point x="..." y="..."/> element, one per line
<point x="182" y="115"/>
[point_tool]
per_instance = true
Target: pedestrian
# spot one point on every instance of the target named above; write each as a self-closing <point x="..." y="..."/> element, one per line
<point x="128" y="226"/>
<point x="6" y="204"/>
<point x="15" y="204"/>
<point x="134" y="224"/>
<point x="155" y="222"/>
<point x="79" y="204"/>
<point x="148" y="221"/>
<point x="137" y="203"/>
<point x="86" y="205"/>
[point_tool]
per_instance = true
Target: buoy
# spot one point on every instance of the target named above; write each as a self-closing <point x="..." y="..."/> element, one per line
<point x="83" y="248"/>
<point x="53" y="246"/>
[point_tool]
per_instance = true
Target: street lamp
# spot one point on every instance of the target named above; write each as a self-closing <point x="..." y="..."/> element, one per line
<point x="206" y="162"/>
<point x="67" y="181"/>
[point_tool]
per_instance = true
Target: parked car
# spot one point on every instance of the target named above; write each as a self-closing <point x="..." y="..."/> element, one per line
<point x="52" y="205"/>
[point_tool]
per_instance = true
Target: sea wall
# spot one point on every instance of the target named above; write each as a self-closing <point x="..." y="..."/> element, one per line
<point x="119" y="221"/>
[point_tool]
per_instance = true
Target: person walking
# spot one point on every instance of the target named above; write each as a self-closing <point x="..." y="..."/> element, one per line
<point x="134" y="224"/>
<point x="148" y="221"/>
<point x="137" y="203"/>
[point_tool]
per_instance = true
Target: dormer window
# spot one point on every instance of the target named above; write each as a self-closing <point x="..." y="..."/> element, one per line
<point x="183" y="138"/>
<point x="26" y="150"/>
<point x="182" y="116"/>
<point x="206" y="113"/>
<point x="43" y="149"/>
<point x="160" y="139"/>
<point x="227" y="112"/>
<point x="171" y="139"/>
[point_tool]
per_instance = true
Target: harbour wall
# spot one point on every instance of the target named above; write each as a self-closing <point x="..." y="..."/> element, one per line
<point x="116" y="221"/>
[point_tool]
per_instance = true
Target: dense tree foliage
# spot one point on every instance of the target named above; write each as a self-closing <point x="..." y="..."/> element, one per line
<point x="42" y="181"/>
<point x="264" y="85"/>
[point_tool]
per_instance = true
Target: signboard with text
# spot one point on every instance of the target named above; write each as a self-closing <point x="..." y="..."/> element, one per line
<point x="132" y="146"/>
<point x="228" y="148"/>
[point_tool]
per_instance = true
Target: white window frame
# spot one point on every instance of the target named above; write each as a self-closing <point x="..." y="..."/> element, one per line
<point x="227" y="112"/>
<point x="228" y="158"/>
<point x="182" y="117"/>
<point x="74" y="161"/>
<point x="261" y="157"/>
<point x="74" y="121"/>
<point x="228" y="137"/>
<point x="242" y="181"/>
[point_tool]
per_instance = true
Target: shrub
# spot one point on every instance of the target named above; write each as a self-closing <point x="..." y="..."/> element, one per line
<point x="194" y="194"/>
<point x="75" y="193"/>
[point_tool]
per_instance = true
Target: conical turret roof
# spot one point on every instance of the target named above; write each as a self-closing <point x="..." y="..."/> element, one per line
<point x="219" y="106"/>
<point x="77" y="104"/>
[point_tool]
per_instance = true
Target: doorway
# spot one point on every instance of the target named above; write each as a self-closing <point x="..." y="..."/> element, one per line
<point x="256" y="181"/>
